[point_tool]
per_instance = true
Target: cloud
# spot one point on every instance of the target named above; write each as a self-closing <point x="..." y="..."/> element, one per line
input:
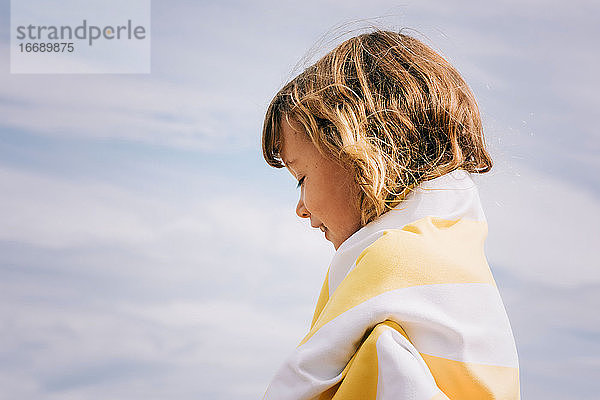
<point x="113" y="107"/>
<point x="103" y="351"/>
<point x="556" y="331"/>
<point x="108" y="293"/>
<point x="542" y="228"/>
<point x="191" y="229"/>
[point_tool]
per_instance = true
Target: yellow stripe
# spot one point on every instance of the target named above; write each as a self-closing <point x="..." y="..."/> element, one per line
<point x="428" y="251"/>
<point x="457" y="380"/>
<point x="461" y="380"/>
<point x="360" y="376"/>
<point x="323" y="299"/>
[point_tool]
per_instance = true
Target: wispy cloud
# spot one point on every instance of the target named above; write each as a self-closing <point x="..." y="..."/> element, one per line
<point x="160" y="289"/>
<point x="542" y="228"/>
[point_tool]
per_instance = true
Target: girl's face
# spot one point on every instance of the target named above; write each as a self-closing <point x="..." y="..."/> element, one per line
<point x="328" y="192"/>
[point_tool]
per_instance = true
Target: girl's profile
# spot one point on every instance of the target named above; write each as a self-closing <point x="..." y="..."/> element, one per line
<point x="382" y="135"/>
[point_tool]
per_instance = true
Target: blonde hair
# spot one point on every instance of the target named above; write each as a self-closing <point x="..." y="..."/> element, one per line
<point x="387" y="106"/>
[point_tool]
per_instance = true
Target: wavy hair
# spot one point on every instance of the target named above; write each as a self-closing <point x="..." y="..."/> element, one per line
<point x="390" y="108"/>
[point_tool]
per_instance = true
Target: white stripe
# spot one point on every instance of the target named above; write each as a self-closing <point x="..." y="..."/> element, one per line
<point x="451" y="196"/>
<point x="464" y="322"/>
<point x="401" y="371"/>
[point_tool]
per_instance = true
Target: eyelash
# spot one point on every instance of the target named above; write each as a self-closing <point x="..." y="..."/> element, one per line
<point x="300" y="182"/>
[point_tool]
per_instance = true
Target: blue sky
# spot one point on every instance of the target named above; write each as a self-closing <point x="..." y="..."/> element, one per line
<point x="147" y="251"/>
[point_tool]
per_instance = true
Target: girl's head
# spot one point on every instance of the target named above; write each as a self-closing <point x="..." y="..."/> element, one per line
<point x="384" y="109"/>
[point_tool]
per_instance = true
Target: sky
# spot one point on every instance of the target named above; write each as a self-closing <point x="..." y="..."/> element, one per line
<point x="148" y="252"/>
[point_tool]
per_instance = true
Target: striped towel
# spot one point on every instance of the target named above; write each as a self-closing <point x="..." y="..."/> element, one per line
<point x="409" y="310"/>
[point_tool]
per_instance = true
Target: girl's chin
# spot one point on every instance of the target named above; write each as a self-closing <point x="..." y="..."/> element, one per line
<point x="335" y="243"/>
<point x="328" y="238"/>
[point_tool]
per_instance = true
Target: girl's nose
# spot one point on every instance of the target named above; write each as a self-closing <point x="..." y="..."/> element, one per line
<point x="301" y="211"/>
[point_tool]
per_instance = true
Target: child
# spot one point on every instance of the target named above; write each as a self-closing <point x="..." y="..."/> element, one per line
<point x="382" y="134"/>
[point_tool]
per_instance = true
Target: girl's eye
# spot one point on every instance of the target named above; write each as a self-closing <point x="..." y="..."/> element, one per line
<point x="300" y="182"/>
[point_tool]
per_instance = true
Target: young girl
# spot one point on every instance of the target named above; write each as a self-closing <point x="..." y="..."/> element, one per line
<point x="382" y="134"/>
